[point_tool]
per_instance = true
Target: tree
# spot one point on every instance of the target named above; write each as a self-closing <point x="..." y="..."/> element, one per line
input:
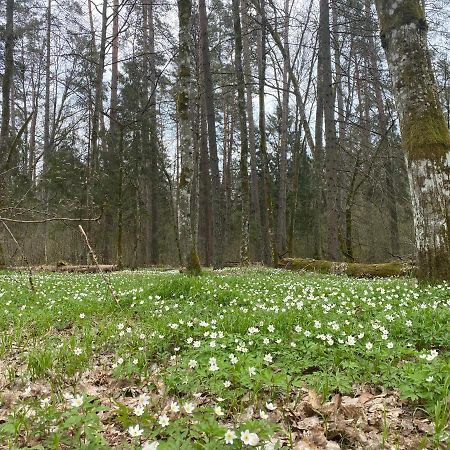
<point x="254" y="185"/>
<point x="331" y="149"/>
<point x="267" y="222"/>
<point x="150" y="150"/>
<point x="425" y="135"/>
<point x="243" y="167"/>
<point x="208" y="98"/>
<point x="282" y="185"/>
<point x="187" y="227"/>
<point x="5" y="143"/>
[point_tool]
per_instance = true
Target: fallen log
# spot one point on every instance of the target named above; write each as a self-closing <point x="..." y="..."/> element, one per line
<point x="88" y="269"/>
<point x="391" y="269"/>
<point x="70" y="268"/>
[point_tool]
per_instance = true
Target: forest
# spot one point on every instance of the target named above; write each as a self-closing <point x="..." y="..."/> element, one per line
<point x="225" y="224"/>
<point x="227" y="133"/>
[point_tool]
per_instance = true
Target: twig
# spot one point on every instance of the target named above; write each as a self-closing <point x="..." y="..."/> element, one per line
<point x="94" y="257"/>
<point x="24" y="257"/>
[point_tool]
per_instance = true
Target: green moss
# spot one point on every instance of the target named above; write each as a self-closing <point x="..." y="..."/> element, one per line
<point x="426" y="136"/>
<point x="183" y="105"/>
<point x="185" y="175"/>
<point x="193" y="263"/>
<point x="408" y="11"/>
<point x="184" y="71"/>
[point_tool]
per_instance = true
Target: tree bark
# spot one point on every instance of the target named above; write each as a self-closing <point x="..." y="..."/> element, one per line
<point x="425" y="135"/>
<point x="5" y="150"/>
<point x="282" y="185"/>
<point x="6" y="91"/>
<point x="383" y="130"/>
<point x="113" y="152"/>
<point x="254" y="185"/>
<point x="243" y="166"/>
<point x="151" y="147"/>
<point x="268" y="222"/>
<point x="47" y="88"/>
<point x="98" y="86"/>
<point x="205" y="219"/>
<point x="331" y="150"/>
<point x="217" y="193"/>
<point x="186" y="193"/>
<point x="317" y="203"/>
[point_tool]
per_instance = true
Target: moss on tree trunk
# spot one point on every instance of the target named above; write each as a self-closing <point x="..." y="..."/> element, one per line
<point x="425" y="135"/>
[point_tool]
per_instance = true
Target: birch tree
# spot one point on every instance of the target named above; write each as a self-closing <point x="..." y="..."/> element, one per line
<point x="425" y="135"/>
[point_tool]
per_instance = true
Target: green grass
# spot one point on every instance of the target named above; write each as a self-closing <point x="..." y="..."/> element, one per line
<point x="232" y="339"/>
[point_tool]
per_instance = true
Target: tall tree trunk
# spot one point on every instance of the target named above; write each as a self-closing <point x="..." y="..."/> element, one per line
<point x="268" y="222"/>
<point x="47" y="88"/>
<point x="383" y="130"/>
<point x="114" y="69"/>
<point x="228" y="125"/>
<point x="217" y="193"/>
<point x="149" y="131"/>
<point x="112" y="153"/>
<point x="254" y="183"/>
<point x="282" y="184"/>
<point x="317" y="203"/>
<point x="205" y="223"/>
<point x="47" y="149"/>
<point x="331" y="150"/>
<point x="119" y="257"/>
<point x="98" y="86"/>
<point x="5" y="149"/>
<point x="341" y="119"/>
<point x="32" y="138"/>
<point x="243" y="172"/>
<point x="298" y="149"/>
<point x="154" y="141"/>
<point x="425" y="135"/>
<point x="6" y="88"/>
<point x="187" y="229"/>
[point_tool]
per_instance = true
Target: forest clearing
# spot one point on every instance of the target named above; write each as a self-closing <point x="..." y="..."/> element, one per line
<point x="225" y="224"/>
<point x="301" y="361"/>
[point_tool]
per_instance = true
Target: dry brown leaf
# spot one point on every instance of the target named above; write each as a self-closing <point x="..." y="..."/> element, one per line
<point x="424" y="425"/>
<point x="308" y="423"/>
<point x="313" y="399"/>
<point x="331" y="445"/>
<point x="305" y="444"/>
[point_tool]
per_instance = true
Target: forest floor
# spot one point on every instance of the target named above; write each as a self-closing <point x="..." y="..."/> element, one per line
<point x="240" y="358"/>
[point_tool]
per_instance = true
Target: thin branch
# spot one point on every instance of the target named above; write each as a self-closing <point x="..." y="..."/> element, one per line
<point x="94" y="257"/>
